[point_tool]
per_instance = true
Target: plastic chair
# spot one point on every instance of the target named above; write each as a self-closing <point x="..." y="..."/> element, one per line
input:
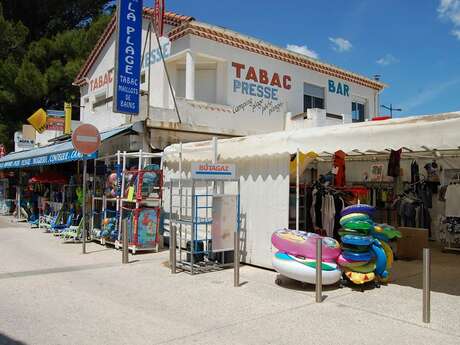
<point x="73" y="232"/>
<point x="58" y="228"/>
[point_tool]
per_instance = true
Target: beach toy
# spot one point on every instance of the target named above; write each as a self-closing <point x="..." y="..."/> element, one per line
<point x="300" y="243"/>
<point x="112" y="179"/>
<point x="344" y="232"/>
<point x="304" y="270"/>
<point x="354" y="217"/>
<point x="353" y="256"/>
<point x="354" y="248"/>
<point x="359" y="278"/>
<point x="385" y="232"/>
<point x="367" y="268"/>
<point x="359" y="225"/>
<point x="359" y="208"/>
<point x="380" y="259"/>
<point x="343" y="262"/>
<point x="389" y="254"/>
<point x="357" y="240"/>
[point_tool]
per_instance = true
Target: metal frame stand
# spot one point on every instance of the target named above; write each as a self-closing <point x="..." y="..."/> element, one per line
<point x="190" y="221"/>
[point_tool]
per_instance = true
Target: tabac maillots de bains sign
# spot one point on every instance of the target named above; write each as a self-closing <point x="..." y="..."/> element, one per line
<point x="128" y="57"/>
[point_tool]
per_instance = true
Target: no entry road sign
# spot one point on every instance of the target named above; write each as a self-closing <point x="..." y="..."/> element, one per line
<point x="86" y="139"/>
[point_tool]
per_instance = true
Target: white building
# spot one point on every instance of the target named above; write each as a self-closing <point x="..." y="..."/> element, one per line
<point x="226" y="84"/>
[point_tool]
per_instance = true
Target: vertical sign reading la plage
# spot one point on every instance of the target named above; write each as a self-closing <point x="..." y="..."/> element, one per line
<point x="128" y="57"/>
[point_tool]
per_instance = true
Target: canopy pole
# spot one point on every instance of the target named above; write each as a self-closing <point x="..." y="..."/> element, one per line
<point x="297" y="190"/>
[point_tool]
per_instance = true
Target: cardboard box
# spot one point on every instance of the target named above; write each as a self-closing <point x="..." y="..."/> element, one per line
<point x="411" y="245"/>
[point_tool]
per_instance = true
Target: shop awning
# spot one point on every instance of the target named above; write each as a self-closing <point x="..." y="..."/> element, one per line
<point x="414" y="134"/>
<point x="53" y="154"/>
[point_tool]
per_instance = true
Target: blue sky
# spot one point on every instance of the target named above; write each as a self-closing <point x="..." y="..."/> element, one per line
<point x="413" y="44"/>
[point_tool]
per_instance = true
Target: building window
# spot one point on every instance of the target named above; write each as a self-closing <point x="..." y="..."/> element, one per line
<point x="313" y="97"/>
<point x="357" y="112"/>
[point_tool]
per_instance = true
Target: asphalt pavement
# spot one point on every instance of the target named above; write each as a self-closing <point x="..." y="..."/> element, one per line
<point x="50" y="294"/>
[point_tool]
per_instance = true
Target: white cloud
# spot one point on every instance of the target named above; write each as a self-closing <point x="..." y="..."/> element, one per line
<point x="428" y="94"/>
<point x="304" y="50"/>
<point x="450" y="10"/>
<point x="386" y="60"/>
<point x="340" y="44"/>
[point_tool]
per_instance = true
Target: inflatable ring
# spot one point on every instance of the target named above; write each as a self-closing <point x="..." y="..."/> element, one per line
<point x="359" y="225"/>
<point x="367" y="268"/>
<point x="389" y="254"/>
<point x="359" y="208"/>
<point x="349" y="263"/>
<point x="354" y="217"/>
<point x="354" y="248"/>
<point x="302" y="270"/>
<point x="385" y="232"/>
<point x="380" y="259"/>
<point x="300" y="243"/>
<point x="352" y="256"/>
<point x="359" y="278"/>
<point x="357" y="240"/>
<point x="344" y="232"/>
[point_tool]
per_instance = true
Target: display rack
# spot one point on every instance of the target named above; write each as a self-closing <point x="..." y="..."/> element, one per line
<point x="140" y="200"/>
<point x="204" y="216"/>
<point x="105" y="204"/>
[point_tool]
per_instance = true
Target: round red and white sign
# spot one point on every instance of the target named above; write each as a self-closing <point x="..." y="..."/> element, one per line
<point x="86" y="139"/>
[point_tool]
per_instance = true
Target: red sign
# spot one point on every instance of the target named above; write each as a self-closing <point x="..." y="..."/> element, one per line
<point x="86" y="139"/>
<point x="100" y="81"/>
<point x="55" y="123"/>
<point x="259" y="75"/>
<point x="159" y="17"/>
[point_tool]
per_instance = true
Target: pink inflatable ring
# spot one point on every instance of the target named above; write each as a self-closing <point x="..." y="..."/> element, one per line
<point x="300" y="243"/>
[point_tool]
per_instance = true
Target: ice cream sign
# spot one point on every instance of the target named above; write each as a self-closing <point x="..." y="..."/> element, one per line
<point x="258" y="82"/>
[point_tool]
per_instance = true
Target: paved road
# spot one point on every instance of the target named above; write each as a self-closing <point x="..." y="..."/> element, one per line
<point x="51" y="294"/>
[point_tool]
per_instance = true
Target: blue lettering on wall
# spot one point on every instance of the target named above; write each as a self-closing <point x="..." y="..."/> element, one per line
<point x="253" y="89"/>
<point x="340" y="89"/>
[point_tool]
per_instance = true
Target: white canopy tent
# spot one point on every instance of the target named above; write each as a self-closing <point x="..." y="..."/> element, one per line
<point x="417" y="133"/>
<point x="263" y="163"/>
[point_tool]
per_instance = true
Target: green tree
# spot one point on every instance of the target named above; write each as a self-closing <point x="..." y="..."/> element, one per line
<point x="43" y="48"/>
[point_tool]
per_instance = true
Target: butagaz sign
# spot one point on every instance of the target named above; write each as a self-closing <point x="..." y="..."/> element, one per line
<point x="207" y="171"/>
<point x="128" y="57"/>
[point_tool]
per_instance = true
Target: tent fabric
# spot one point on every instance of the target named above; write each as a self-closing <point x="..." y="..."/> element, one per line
<point x="52" y="154"/>
<point x="416" y="133"/>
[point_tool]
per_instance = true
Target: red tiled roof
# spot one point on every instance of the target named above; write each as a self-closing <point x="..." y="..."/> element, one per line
<point x="171" y="18"/>
<point x="185" y="25"/>
<point x="246" y="43"/>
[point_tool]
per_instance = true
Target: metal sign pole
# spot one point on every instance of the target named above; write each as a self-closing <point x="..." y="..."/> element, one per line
<point x="426" y="285"/>
<point x="319" y="272"/>
<point x="84" y="207"/>
<point x="236" y="249"/>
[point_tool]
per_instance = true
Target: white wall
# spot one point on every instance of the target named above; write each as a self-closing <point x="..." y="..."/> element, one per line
<point x="264" y="203"/>
<point x="217" y="86"/>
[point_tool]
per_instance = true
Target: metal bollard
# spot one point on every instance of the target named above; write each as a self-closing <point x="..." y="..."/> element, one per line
<point x="125" y="249"/>
<point x="319" y="271"/>
<point x="236" y="260"/>
<point x="172" y="247"/>
<point x="426" y="285"/>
